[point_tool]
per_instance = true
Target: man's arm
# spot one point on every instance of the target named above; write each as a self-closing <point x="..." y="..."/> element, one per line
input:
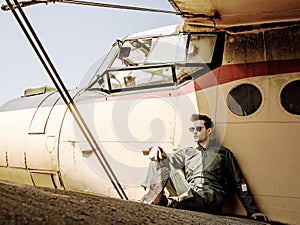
<point x="241" y="187"/>
<point x="176" y="159"/>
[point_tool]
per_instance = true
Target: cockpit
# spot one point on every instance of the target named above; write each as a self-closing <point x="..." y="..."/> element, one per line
<point x="148" y="62"/>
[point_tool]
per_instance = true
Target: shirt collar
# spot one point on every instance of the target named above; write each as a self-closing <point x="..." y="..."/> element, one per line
<point x="212" y="145"/>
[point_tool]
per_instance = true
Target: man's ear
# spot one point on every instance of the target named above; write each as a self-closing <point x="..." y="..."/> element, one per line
<point x="209" y="131"/>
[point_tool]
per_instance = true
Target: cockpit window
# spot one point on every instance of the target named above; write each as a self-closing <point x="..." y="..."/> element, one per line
<point x="169" y="49"/>
<point x="99" y="79"/>
<point x="106" y="63"/>
<point x="132" y="53"/>
<point x="137" y="78"/>
<point x="152" y="61"/>
<point x="166" y="49"/>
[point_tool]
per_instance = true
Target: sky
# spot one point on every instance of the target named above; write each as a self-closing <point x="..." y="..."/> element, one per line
<point x="74" y="37"/>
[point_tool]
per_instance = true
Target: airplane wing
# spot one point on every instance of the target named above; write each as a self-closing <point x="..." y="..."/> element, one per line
<point x="220" y="13"/>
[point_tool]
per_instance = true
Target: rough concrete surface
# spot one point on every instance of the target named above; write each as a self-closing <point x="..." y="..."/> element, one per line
<point x="21" y="204"/>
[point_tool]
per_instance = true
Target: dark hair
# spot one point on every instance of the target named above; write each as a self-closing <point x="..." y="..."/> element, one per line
<point x="207" y="121"/>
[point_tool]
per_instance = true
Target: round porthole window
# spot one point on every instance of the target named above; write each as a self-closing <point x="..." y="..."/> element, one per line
<point x="244" y="99"/>
<point x="290" y="97"/>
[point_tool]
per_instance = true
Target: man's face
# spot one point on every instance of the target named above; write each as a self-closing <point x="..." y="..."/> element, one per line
<point x="200" y="133"/>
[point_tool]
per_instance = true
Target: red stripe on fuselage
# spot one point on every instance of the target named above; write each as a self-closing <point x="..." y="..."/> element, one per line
<point x="233" y="72"/>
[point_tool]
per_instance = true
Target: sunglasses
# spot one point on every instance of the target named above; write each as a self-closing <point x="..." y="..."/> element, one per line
<point x="198" y="129"/>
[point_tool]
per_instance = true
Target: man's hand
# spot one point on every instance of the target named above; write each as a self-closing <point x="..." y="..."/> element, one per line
<point x="156" y="153"/>
<point x="260" y="217"/>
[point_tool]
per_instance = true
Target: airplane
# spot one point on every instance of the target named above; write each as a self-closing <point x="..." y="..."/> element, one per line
<point x="236" y="61"/>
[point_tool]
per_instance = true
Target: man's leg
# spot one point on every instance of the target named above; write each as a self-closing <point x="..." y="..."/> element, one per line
<point x="182" y="196"/>
<point x="156" y="187"/>
<point x="152" y="169"/>
<point x="177" y="185"/>
<point x="178" y="182"/>
<point x="186" y="197"/>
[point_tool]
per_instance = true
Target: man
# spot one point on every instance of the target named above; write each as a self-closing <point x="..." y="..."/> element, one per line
<point x="209" y="169"/>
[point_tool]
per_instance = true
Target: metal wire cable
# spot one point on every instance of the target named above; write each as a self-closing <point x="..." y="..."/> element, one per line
<point x="98" y="4"/>
<point x="88" y="3"/>
<point x="65" y="96"/>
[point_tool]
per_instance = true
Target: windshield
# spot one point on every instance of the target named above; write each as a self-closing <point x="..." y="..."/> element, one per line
<point x="135" y="63"/>
<point x="166" y="49"/>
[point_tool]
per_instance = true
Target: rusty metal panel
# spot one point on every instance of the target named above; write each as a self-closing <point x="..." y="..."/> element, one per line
<point x="244" y="48"/>
<point x="283" y="43"/>
<point x="218" y="13"/>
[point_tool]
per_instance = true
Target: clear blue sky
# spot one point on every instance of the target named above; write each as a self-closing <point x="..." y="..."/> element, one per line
<point x="74" y="37"/>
